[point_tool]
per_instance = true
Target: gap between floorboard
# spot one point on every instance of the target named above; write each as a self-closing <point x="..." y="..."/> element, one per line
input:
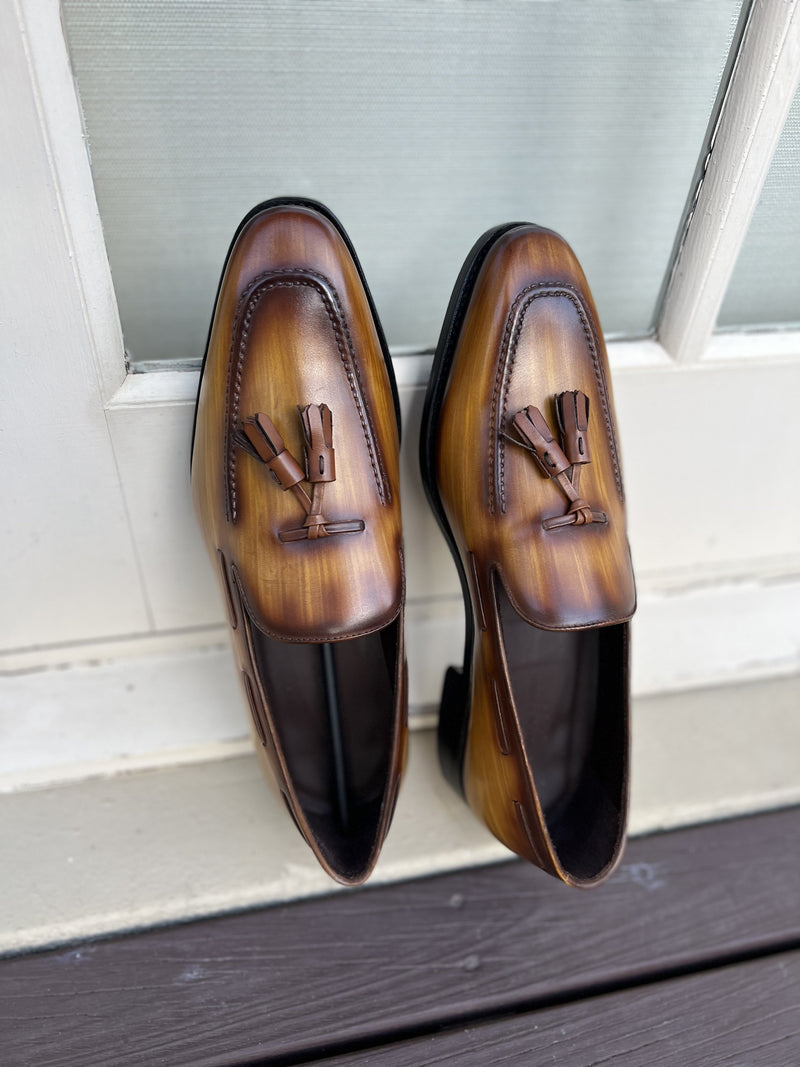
<point x="455" y="1021"/>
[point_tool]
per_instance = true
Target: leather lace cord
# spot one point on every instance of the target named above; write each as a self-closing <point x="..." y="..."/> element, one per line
<point x="561" y="463"/>
<point x="260" y="438"/>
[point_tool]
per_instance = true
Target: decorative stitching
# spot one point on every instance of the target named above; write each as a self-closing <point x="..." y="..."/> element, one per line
<point x="245" y="309"/>
<point x="383" y="487"/>
<point x="505" y="366"/>
<point x="501" y="367"/>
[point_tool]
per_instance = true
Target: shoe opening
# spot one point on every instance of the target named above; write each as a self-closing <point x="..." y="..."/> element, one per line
<point x="570" y="692"/>
<point x="333" y="710"/>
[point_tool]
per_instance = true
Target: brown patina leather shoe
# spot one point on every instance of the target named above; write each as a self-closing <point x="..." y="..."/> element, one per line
<point x="519" y="460"/>
<point x="295" y="486"/>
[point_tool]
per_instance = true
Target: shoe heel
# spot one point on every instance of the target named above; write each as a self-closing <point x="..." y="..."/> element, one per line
<point x="453" y="723"/>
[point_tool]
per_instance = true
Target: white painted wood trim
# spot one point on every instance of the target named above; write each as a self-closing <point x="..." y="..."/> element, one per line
<point x="760" y="93"/>
<point x="69" y="568"/>
<point x="739" y="346"/>
<point x="170" y="387"/>
<point x="63" y="133"/>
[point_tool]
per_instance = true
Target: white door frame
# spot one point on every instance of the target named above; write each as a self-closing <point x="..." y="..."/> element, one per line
<point x="108" y="562"/>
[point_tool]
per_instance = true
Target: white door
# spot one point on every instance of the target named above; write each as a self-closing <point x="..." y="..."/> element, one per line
<point x="421" y="126"/>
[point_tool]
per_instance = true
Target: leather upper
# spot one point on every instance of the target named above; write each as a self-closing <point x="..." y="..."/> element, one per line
<point x="294" y="353"/>
<point x="530" y="335"/>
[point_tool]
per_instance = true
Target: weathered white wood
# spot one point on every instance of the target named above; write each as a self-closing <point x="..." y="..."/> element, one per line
<point x="68" y="564"/>
<point x="716" y="634"/>
<point x="71" y="654"/>
<point x="120" y="715"/>
<point x="762" y="87"/>
<point x="741" y="346"/>
<point x="62" y="128"/>
<point x="703" y="503"/>
<point x="133" y="850"/>
<point x="152" y="443"/>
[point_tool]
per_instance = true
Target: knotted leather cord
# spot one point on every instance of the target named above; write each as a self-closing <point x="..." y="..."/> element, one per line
<point x="562" y="465"/>
<point x="260" y="438"/>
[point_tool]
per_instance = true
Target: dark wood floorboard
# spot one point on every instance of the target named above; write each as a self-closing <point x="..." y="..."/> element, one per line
<point x="744" y="1015"/>
<point x="298" y="980"/>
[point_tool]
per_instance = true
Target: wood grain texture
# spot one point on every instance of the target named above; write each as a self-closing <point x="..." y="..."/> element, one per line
<point x="743" y="1014"/>
<point x="301" y="979"/>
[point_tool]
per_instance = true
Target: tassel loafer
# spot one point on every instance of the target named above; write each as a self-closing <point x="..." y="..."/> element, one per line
<point x="520" y="464"/>
<point x="296" y="489"/>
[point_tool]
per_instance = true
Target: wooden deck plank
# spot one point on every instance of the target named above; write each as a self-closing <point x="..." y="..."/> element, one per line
<point x="748" y="1013"/>
<point x="388" y="963"/>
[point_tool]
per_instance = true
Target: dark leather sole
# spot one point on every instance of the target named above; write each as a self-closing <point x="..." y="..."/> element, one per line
<point x="454" y="706"/>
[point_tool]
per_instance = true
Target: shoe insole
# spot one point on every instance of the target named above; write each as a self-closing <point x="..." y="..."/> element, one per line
<point x="338" y="758"/>
<point x="569" y="694"/>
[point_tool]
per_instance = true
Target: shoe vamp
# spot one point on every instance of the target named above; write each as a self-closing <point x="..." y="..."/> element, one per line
<point x="345" y="583"/>
<point x="540" y="343"/>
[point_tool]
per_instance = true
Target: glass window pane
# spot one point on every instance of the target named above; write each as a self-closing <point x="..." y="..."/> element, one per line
<point x="765" y="287"/>
<point x="420" y="123"/>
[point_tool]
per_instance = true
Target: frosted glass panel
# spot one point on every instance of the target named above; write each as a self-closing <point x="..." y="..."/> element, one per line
<point x="420" y="123"/>
<point x="765" y="287"/>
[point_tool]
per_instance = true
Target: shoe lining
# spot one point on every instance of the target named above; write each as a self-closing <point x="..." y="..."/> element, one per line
<point x="293" y="677"/>
<point x="569" y="692"/>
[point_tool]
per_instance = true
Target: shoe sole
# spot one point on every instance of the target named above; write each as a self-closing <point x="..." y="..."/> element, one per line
<point x="455" y="703"/>
<point x="314" y="205"/>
